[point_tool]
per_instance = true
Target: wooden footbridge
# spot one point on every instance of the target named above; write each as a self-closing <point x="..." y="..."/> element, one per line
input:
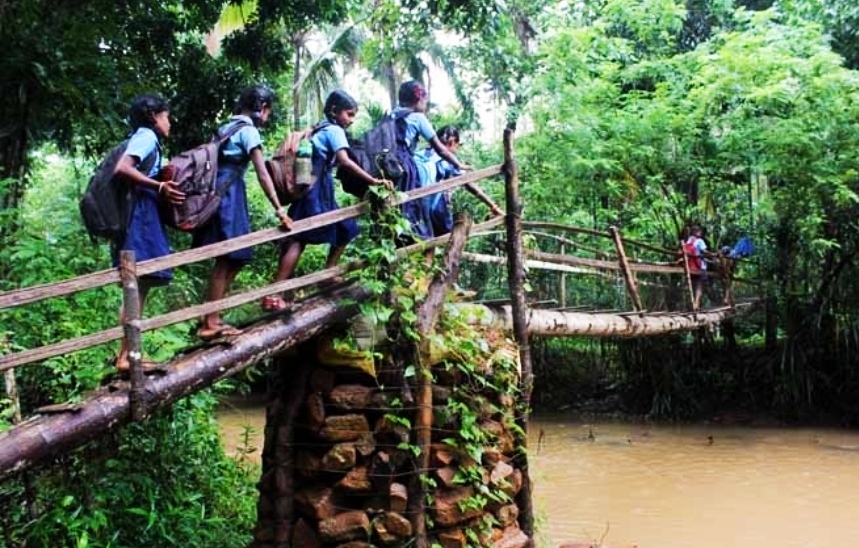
<point x="47" y="432"/>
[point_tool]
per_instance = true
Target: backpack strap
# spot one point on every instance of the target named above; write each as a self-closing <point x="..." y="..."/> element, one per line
<point x="320" y="126"/>
<point x="221" y="138"/>
<point x="149" y="162"/>
<point x="399" y="115"/>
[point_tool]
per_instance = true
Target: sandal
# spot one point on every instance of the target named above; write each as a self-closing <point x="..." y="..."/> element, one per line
<point x="274" y="303"/>
<point x="336" y="280"/>
<point x="148" y="366"/>
<point x="222" y="330"/>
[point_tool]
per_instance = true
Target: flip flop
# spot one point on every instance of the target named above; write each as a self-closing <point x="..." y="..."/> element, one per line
<point x="148" y="367"/>
<point x="275" y="303"/>
<point x="223" y="330"/>
<point x="336" y="280"/>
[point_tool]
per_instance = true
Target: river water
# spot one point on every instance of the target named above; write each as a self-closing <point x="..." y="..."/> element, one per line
<point x="656" y="486"/>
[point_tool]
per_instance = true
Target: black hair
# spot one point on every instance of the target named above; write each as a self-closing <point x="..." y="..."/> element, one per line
<point x="338" y="101"/>
<point x="411" y="92"/>
<point x="446" y="133"/>
<point x="144" y="108"/>
<point x="253" y="99"/>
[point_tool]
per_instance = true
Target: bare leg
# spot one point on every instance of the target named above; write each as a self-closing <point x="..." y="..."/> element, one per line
<point x="289" y="260"/>
<point x="334" y="254"/>
<point x="220" y="279"/>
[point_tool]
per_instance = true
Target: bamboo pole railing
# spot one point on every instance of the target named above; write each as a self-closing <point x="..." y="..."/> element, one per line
<point x="182" y="258"/>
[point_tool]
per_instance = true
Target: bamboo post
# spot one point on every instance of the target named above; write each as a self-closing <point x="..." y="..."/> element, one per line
<point x="563" y="286"/>
<point x="17" y="418"/>
<point x="516" y="281"/>
<point x="12" y="394"/>
<point x="726" y="266"/>
<point x="624" y="268"/>
<point x="428" y="316"/>
<point x="131" y="327"/>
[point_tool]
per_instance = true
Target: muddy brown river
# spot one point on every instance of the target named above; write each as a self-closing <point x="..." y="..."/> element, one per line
<point x="656" y="486"/>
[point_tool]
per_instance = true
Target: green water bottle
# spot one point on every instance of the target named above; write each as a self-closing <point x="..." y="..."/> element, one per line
<point x="304" y="165"/>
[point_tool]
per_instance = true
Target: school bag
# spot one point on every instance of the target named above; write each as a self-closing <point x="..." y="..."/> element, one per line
<point x="291" y="166"/>
<point x="693" y="259"/>
<point x="196" y="171"/>
<point x="107" y="202"/>
<point x="743" y="248"/>
<point x="376" y="153"/>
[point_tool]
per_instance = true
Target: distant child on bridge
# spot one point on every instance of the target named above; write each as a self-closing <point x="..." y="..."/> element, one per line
<point x="432" y="168"/>
<point x="412" y="124"/>
<point x="694" y="248"/>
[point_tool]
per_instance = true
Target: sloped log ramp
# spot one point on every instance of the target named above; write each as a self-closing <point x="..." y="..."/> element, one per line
<point x="45" y="436"/>
<point x="558" y="323"/>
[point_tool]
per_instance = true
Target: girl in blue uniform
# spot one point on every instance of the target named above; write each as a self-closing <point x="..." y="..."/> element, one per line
<point x="232" y="219"/>
<point x="139" y="165"/>
<point x="432" y="168"/>
<point x="412" y="97"/>
<point x="329" y="150"/>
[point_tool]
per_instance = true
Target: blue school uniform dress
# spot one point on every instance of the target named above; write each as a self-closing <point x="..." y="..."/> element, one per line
<point x="432" y="168"/>
<point x="145" y="235"/>
<point x="232" y="219"/>
<point x="410" y="128"/>
<point x="327" y="140"/>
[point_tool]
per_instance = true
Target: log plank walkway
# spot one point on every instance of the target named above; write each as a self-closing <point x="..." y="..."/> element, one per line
<point x="55" y="430"/>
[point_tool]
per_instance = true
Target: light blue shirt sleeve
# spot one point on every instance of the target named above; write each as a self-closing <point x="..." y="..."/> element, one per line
<point x="239" y="146"/>
<point x="328" y="140"/>
<point x="418" y="125"/>
<point x="701" y="247"/>
<point x="141" y="145"/>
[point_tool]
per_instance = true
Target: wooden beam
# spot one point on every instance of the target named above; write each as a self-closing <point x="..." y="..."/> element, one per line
<point x="20" y="297"/>
<point x="556" y="323"/>
<point x="42" y="437"/>
<point x="624" y="268"/>
<point x="519" y="309"/>
<point x="428" y="315"/>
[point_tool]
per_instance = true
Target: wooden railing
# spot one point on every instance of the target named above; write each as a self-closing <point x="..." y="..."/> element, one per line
<point x="129" y="272"/>
<point x="610" y="260"/>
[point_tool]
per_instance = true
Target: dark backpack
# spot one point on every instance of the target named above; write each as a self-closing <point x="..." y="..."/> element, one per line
<point x="693" y="259"/>
<point x="107" y="202"/>
<point x="376" y="153"/>
<point x="196" y="172"/>
<point x="291" y="173"/>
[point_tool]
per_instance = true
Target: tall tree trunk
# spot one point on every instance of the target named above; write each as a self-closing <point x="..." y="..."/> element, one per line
<point x="13" y="168"/>
<point x="391" y="79"/>
<point x="296" y="78"/>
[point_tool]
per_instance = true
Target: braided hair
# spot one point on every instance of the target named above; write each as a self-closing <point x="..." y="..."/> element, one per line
<point x="253" y="99"/>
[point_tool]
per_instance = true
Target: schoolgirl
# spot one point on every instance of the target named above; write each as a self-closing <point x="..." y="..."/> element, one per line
<point x="329" y="142"/>
<point x="432" y="168"/>
<point x="252" y="110"/>
<point x="412" y="124"/>
<point x="149" y="116"/>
